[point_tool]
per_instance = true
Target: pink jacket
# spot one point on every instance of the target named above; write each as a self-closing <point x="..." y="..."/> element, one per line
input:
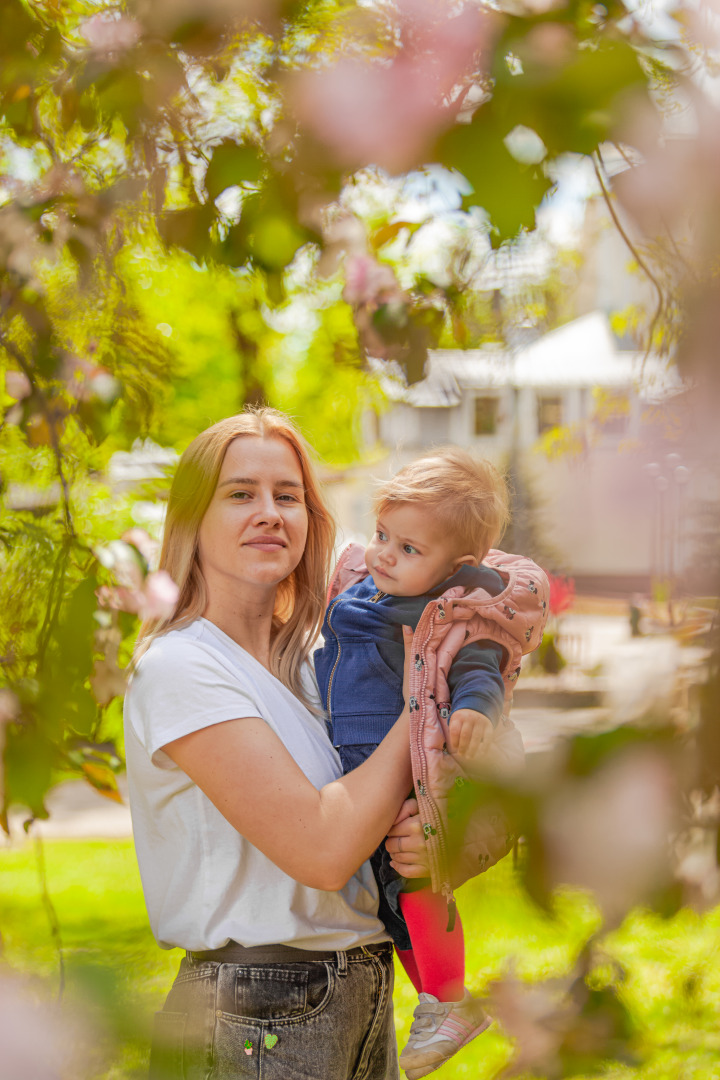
<point x="515" y="618"/>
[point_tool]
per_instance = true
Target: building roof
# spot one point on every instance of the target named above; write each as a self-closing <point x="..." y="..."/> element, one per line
<point x="582" y="353"/>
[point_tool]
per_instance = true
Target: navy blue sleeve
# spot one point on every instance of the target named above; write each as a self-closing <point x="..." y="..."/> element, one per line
<point x="475" y="681"/>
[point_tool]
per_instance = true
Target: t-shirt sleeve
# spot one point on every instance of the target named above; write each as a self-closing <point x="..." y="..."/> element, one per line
<point x="180" y="687"/>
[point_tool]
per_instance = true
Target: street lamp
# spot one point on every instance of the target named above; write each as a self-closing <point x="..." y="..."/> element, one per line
<point x="667" y="533"/>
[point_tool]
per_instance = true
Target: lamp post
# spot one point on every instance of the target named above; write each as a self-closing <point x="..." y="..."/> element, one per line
<point x="667" y="533"/>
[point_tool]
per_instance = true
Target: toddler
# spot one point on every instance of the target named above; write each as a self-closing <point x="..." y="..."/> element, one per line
<point x="436" y="521"/>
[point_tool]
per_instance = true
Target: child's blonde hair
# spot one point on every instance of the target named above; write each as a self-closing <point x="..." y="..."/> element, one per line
<point x="467" y="492"/>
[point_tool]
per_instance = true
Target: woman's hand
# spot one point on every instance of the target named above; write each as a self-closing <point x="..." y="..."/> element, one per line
<point x="406" y="842"/>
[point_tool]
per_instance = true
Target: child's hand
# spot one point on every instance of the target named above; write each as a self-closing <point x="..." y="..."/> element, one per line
<point x="405" y="843"/>
<point x="471" y="733"/>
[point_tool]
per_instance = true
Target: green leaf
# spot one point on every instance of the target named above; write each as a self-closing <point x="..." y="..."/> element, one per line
<point x="29" y="759"/>
<point x="189" y="229"/>
<point x="77" y="628"/>
<point x="573" y="106"/>
<point x="508" y="191"/>
<point x="232" y="164"/>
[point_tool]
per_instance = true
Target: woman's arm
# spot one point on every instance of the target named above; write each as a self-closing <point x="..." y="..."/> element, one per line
<point x="319" y="838"/>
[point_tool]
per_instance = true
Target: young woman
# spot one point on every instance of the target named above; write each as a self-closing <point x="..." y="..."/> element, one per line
<point x="252" y="846"/>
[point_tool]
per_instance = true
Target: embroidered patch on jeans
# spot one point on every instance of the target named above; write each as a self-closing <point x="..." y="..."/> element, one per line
<point x="270" y="1041"/>
<point x="247" y="1047"/>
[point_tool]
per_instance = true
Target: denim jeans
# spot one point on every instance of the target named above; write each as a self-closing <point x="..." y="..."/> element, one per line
<point x="315" y="1020"/>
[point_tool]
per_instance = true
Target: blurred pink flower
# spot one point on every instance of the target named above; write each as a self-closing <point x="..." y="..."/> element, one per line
<point x="17" y="385"/>
<point x="368" y="281"/>
<point x="610" y="832"/>
<point x="144" y="542"/>
<point x="124" y="561"/>
<point x="678" y="181"/>
<point x="9" y="706"/>
<point x="536" y="1017"/>
<point x="105" y="32"/>
<point x="562" y="594"/>
<point x="388" y="112"/>
<point x="107" y="681"/>
<point x="160" y="596"/>
<point x="153" y="598"/>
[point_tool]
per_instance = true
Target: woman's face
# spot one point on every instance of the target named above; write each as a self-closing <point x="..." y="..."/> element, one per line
<point x="255" y="527"/>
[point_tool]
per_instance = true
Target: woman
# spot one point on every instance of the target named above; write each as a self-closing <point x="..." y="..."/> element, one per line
<point x="252" y="846"/>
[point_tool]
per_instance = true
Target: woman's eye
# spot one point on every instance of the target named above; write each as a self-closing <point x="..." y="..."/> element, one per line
<point x="288" y="498"/>
<point x="240" y="496"/>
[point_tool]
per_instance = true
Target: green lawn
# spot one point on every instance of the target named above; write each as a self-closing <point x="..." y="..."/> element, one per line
<point x="116" y="976"/>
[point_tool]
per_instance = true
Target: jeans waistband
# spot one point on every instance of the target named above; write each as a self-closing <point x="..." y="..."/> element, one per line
<point x="233" y="953"/>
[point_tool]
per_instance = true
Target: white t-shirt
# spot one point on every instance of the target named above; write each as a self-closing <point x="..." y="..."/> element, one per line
<point x="204" y="883"/>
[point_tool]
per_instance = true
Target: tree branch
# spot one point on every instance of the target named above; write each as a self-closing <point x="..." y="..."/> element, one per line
<point x="50" y="910"/>
<point x="597" y="162"/>
<point x="27" y="368"/>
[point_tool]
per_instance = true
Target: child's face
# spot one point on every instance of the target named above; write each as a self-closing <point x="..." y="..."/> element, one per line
<point x="411" y="552"/>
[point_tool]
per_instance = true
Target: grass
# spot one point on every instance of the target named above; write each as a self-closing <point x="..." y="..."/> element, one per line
<point x="116" y="977"/>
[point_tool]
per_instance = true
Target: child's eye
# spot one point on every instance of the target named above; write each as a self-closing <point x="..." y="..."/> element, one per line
<point x="381" y="535"/>
<point x="410" y="550"/>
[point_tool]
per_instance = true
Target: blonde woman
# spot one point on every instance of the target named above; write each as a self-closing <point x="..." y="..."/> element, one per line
<point x="252" y="846"/>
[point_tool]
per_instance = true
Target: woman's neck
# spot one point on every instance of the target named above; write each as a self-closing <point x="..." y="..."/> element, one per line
<point x="248" y="621"/>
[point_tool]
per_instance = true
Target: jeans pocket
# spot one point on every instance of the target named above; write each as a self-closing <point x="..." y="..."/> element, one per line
<point x="166" y="1055"/>
<point x="280" y="993"/>
<point x="270" y="993"/>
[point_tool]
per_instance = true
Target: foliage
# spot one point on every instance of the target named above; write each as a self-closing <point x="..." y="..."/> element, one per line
<point x="196" y="211"/>
<point x="179" y="185"/>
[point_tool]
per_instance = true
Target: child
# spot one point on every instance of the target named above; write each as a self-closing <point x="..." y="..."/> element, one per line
<point x="436" y="522"/>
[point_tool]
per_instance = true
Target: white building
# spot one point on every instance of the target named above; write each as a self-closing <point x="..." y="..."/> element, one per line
<point x="584" y="420"/>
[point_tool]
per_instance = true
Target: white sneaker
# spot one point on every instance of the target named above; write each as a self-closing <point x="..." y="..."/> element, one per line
<point x="438" y="1030"/>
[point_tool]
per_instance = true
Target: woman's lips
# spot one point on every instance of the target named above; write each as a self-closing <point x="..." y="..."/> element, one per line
<point x="266" y="543"/>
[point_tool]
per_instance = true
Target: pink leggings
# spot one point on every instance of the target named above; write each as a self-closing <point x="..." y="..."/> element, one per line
<point x="436" y="962"/>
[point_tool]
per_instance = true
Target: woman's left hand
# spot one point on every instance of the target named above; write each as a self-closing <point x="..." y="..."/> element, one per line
<point x="406" y="843"/>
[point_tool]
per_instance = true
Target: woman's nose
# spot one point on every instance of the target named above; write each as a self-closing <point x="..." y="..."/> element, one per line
<point x="267" y="512"/>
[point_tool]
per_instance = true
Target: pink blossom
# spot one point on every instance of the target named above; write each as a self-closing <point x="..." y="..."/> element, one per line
<point x="105" y="33"/>
<point x="389" y="112"/>
<point x="9" y="706"/>
<point x="562" y="594"/>
<point x="124" y="561"/>
<point x="144" y="542"/>
<point x="107" y="681"/>
<point x="120" y="598"/>
<point x="368" y="282"/>
<point x="17" y="385"/>
<point x="160" y="596"/>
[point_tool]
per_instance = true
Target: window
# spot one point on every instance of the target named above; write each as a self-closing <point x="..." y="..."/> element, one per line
<point x="611" y="411"/>
<point x="486" y="415"/>
<point x="550" y="413"/>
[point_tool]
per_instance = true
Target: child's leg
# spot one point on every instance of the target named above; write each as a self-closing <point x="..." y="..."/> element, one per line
<point x="408" y="961"/>
<point x="439" y="956"/>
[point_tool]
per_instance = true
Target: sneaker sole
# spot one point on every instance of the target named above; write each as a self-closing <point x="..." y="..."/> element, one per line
<point x="425" y="1070"/>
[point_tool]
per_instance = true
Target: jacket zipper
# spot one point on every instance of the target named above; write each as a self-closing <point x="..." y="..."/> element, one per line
<point x="373" y="599"/>
<point x="441" y="861"/>
<point x="337" y="658"/>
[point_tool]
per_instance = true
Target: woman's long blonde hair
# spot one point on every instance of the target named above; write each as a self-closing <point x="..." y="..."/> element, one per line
<point x="299" y="604"/>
